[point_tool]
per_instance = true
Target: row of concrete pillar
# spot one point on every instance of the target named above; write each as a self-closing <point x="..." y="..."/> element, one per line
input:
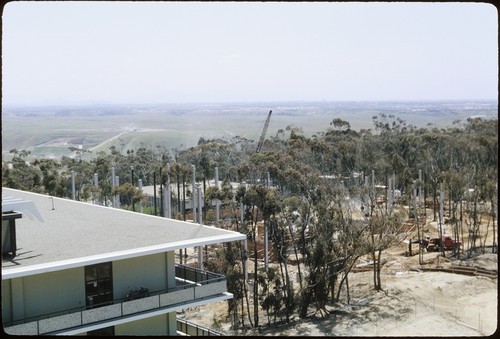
<point x="197" y="200"/>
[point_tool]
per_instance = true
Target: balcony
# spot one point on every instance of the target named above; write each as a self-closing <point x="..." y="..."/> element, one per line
<point x="193" y="286"/>
<point x="185" y="327"/>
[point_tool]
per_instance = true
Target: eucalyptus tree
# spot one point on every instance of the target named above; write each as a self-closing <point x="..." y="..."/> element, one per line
<point x="228" y="199"/>
<point x="456" y="183"/>
<point x="249" y="227"/>
<point x="227" y="261"/>
<point x="489" y="194"/>
<point x="396" y="149"/>
<point x="482" y="136"/>
<point x="344" y="144"/>
<point x="312" y="211"/>
<point x="49" y="169"/>
<point x="383" y="230"/>
<point x="180" y="171"/>
<point x="129" y="190"/>
<point x="145" y="163"/>
<point x="432" y="144"/>
<point x="281" y="295"/>
<point x="19" y="174"/>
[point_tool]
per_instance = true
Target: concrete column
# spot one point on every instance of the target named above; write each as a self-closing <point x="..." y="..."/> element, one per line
<point x="217" y="201"/>
<point x="171" y="317"/>
<point x="167" y="209"/>
<point x="415" y="204"/>
<point x="96" y="184"/>
<point x="200" y="257"/>
<point x="245" y="264"/>
<point x="117" y="196"/>
<point x="200" y="204"/>
<point x="113" y="183"/>
<point x="441" y="210"/>
<point x="200" y="248"/>
<point x="266" y="248"/>
<point x="73" y="190"/>
<point x="193" y="170"/>
<point x="170" y="257"/>
<point x="140" y="189"/>
<point x="389" y="197"/>
<point x="420" y="188"/>
<point x="172" y="323"/>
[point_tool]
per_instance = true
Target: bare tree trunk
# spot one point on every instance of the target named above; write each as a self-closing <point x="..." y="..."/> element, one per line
<point x="379" y="282"/>
<point x="346" y="273"/>
<point x="248" y="304"/>
<point x="374" y="270"/>
<point x="347" y="287"/>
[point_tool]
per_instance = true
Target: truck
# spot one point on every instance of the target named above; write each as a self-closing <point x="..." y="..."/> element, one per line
<point x="434" y="244"/>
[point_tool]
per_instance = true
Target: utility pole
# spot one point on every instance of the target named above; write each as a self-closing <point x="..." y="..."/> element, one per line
<point x="132" y="182"/>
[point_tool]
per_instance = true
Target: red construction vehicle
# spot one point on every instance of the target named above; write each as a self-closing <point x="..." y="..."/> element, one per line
<point x="434" y="244"/>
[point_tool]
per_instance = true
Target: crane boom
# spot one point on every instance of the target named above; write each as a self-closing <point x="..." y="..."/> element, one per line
<point x="264" y="131"/>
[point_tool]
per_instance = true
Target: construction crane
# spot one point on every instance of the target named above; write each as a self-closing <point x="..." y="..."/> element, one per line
<point x="264" y="131"/>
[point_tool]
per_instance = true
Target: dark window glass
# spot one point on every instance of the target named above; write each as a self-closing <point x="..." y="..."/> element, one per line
<point x="98" y="285"/>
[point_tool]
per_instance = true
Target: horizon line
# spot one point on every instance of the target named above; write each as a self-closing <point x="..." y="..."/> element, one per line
<point x="156" y="103"/>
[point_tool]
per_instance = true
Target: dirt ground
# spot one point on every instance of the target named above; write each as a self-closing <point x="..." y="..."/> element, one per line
<point x="412" y="303"/>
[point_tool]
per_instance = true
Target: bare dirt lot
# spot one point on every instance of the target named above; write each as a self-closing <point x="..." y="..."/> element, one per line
<point x="412" y="304"/>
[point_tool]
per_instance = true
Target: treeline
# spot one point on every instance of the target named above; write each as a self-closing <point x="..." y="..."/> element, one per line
<point x="316" y="197"/>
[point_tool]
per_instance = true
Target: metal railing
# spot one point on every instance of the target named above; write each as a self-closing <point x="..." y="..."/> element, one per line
<point x="197" y="275"/>
<point x="193" y="329"/>
<point x="186" y="278"/>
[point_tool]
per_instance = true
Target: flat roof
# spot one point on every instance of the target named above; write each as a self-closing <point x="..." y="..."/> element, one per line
<point x="75" y="234"/>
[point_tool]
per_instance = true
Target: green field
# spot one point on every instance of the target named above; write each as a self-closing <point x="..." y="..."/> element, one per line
<point x="51" y="131"/>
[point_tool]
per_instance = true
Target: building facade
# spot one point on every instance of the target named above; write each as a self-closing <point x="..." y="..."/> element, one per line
<point x="74" y="268"/>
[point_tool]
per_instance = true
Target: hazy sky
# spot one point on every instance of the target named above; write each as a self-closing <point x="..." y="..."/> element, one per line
<point x="153" y="52"/>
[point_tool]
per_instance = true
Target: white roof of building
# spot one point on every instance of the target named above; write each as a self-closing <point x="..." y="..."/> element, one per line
<point x="75" y="234"/>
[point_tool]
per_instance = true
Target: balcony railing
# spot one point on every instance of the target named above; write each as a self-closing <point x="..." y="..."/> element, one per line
<point x="191" y="285"/>
<point x="192" y="329"/>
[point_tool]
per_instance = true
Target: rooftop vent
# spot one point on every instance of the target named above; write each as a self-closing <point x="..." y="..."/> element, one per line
<point x="13" y="209"/>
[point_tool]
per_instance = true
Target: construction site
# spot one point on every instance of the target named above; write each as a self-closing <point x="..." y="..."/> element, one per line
<point x="425" y="282"/>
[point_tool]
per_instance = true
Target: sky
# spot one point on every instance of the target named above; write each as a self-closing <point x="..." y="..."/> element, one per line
<point x="193" y="52"/>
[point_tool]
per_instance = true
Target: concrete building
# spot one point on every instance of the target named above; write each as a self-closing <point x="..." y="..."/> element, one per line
<point x="68" y="268"/>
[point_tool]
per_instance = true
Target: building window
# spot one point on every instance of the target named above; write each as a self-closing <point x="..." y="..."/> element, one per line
<point x="98" y="285"/>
